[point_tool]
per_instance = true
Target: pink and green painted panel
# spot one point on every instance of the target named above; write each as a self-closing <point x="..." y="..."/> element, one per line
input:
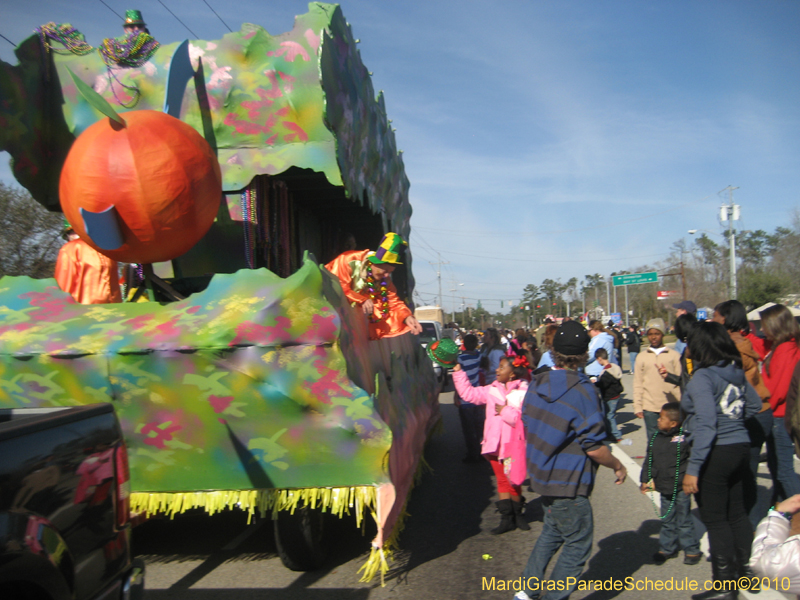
<point x="242" y="386"/>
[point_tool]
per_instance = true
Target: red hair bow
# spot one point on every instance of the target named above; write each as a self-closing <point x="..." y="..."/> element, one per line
<point x="522" y="361"/>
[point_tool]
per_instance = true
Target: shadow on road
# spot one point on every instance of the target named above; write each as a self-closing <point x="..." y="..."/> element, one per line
<point x="445" y="509"/>
<point x="621" y="555"/>
<point x="225" y="538"/>
<point x="446" y="505"/>
<point x="260" y="593"/>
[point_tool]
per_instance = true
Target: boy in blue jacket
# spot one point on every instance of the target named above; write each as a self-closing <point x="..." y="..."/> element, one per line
<point x="564" y="419"/>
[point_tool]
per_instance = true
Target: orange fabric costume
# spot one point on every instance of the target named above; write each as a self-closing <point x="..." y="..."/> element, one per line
<point x="347" y="267"/>
<point x="90" y="277"/>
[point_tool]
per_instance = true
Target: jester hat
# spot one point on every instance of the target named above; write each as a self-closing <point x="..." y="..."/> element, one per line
<point x="388" y="251"/>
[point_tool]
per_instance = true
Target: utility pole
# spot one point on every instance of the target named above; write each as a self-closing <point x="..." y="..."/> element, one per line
<point x="627" y="312"/>
<point x="683" y="279"/>
<point x="439" y="264"/>
<point x="454" y="289"/>
<point x="730" y="212"/>
<point x="682" y="273"/>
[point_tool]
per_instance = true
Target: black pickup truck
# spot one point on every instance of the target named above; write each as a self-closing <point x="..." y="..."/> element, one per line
<point x="64" y="506"/>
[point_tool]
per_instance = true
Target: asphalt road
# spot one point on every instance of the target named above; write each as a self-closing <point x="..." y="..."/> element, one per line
<point x="196" y="557"/>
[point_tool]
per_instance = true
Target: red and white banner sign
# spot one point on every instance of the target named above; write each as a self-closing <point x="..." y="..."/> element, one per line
<point x="663" y="295"/>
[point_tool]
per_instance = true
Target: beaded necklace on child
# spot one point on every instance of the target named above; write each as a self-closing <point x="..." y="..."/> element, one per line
<point x="677" y="474"/>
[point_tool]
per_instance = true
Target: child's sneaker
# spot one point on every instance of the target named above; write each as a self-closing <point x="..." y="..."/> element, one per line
<point x="692" y="559"/>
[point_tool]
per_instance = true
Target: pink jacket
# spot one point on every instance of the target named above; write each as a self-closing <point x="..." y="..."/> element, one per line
<point x="503" y="434"/>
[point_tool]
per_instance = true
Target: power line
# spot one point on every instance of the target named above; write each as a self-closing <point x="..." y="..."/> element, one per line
<point x="539" y="260"/>
<point x="529" y="233"/>
<point x="220" y="18"/>
<point x="111" y="9"/>
<point x="8" y="40"/>
<point x="424" y="241"/>
<point x="424" y="250"/>
<point x="454" y="297"/>
<point x="540" y="257"/>
<point x="179" y="21"/>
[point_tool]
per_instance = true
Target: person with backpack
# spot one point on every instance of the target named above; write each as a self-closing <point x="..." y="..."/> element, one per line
<point x="634" y="344"/>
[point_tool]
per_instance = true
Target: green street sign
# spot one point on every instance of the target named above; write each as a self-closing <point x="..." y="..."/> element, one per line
<point x="635" y="278"/>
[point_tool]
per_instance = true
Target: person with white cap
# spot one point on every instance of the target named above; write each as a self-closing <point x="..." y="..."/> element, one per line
<point x="650" y="390"/>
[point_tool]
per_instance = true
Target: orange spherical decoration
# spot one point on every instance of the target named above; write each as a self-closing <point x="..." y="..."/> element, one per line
<point x="160" y="175"/>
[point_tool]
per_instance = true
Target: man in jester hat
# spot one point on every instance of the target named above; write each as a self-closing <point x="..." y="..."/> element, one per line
<point x="365" y="276"/>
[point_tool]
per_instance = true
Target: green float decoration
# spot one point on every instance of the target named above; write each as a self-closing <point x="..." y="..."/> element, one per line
<point x="259" y="392"/>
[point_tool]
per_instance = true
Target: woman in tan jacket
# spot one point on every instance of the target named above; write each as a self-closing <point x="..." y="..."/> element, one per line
<point x="733" y="316"/>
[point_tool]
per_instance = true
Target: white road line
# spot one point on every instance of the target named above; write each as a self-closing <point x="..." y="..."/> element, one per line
<point x="634" y="470"/>
<point x="634" y="476"/>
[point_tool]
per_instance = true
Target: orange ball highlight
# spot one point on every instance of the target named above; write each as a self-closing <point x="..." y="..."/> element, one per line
<point x="159" y="173"/>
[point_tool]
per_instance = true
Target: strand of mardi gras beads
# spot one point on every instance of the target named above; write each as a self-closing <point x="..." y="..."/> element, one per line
<point x="66" y="35"/>
<point x="384" y="295"/>
<point x="129" y="52"/>
<point x="246" y="225"/>
<point x="677" y="474"/>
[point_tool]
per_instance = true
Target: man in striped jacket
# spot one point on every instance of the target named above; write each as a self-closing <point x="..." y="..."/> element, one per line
<point x="564" y="421"/>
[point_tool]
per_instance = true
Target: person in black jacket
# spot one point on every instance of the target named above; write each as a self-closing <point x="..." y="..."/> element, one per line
<point x="613" y="329"/>
<point x="662" y="471"/>
<point x="634" y="344"/>
<point x="683" y="328"/>
<point x="609" y="384"/>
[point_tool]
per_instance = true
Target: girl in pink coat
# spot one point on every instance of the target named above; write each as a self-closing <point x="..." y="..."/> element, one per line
<point x="503" y="434"/>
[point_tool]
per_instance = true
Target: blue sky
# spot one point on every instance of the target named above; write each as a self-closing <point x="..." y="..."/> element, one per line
<point x="547" y="139"/>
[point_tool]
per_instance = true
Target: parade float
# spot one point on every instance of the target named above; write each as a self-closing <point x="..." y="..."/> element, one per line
<point x="248" y="381"/>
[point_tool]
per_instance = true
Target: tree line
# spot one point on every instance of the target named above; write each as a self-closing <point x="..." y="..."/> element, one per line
<point x="767" y="269"/>
<point x="29" y="235"/>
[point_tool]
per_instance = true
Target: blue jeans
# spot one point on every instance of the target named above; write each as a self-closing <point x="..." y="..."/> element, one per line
<point x="568" y="522"/>
<point x="677" y="530"/>
<point x="611" y="418"/>
<point x="784" y="452"/>
<point x="632" y="357"/>
<point x="759" y="428"/>
<point x="650" y="424"/>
